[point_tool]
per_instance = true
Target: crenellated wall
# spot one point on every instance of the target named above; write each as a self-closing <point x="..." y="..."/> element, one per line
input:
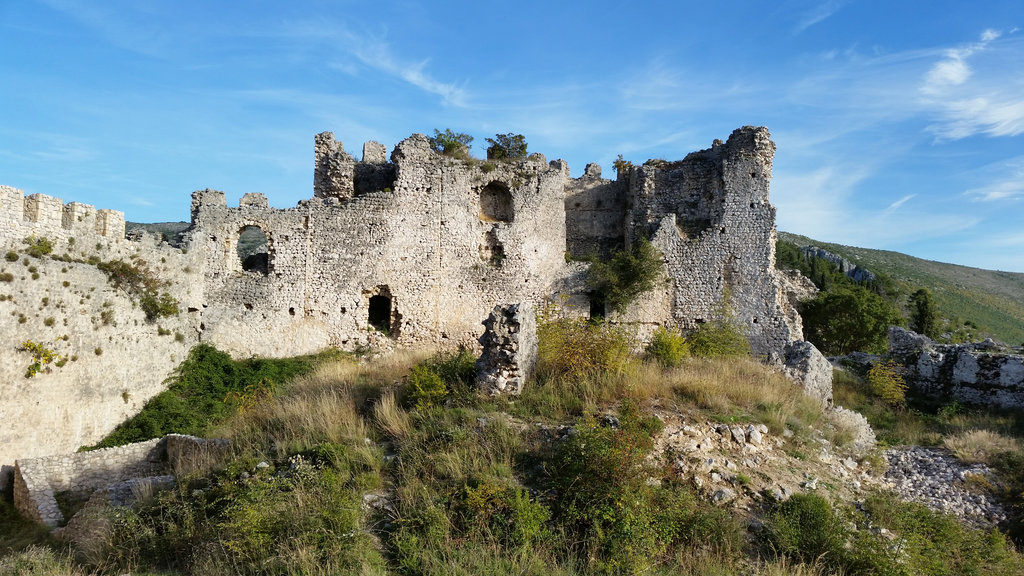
<point x="41" y="215"/>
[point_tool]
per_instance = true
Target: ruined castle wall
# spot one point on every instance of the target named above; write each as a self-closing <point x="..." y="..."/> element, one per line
<point x="710" y="216"/>
<point x="595" y="212"/>
<point x="111" y="360"/>
<point x="445" y="244"/>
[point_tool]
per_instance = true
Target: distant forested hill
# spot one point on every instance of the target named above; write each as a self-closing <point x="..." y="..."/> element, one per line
<point x="992" y="300"/>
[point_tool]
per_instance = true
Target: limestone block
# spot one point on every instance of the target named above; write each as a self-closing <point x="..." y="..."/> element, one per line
<point x="809" y="368"/>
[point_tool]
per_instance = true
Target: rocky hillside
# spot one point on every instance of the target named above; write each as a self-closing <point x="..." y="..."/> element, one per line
<point x="992" y="300"/>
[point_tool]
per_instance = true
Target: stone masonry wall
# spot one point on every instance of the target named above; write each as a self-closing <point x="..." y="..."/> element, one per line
<point x="111" y="359"/>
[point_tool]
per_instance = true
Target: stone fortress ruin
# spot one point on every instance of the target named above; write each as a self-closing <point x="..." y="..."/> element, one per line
<point x="409" y="251"/>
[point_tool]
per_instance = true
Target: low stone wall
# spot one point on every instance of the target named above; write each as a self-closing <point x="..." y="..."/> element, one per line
<point x="983" y="373"/>
<point x="37" y="481"/>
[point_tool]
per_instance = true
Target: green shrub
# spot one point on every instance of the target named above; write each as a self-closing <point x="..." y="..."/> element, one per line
<point x="886" y="381"/>
<point x="450" y="143"/>
<point x="720" y="337"/>
<point x="158" y="305"/>
<point x="807" y="529"/>
<point x="576" y="348"/>
<point x="457" y="369"/>
<point x="502" y="513"/>
<point x="628" y="274"/>
<point x="11" y="256"/>
<point x="6" y="277"/>
<point x="668" y="347"/>
<point x="38" y="247"/>
<point x="506" y="147"/>
<point x="603" y="497"/>
<point x="42" y="357"/>
<point x="849" y="318"/>
<point x="425" y="388"/>
<point x="141" y="283"/>
<point x="49" y="321"/>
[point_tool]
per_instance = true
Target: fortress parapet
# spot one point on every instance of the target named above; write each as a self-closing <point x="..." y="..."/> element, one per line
<point x="41" y="215"/>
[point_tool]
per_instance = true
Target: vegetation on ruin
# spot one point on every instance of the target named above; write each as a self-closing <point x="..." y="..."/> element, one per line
<point x="207" y="388"/>
<point x="38" y="246"/>
<point x="620" y="280"/>
<point x="506" y="147"/>
<point x="343" y="469"/>
<point x="450" y="143"/>
<point x="42" y="357"/>
<point x="138" y="281"/>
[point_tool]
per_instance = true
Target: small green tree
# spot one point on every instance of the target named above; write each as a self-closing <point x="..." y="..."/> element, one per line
<point x="450" y="143"/>
<point x="506" y="147"/>
<point x="628" y="274"/>
<point x="848" y="318"/>
<point x="886" y="380"/>
<point x="924" y="317"/>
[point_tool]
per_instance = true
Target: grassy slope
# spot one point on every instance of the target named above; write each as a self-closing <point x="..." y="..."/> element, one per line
<point x="993" y="300"/>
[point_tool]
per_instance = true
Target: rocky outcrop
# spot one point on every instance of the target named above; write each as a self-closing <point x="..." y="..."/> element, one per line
<point x="809" y="368"/>
<point x="983" y="373"/>
<point x="853" y="271"/>
<point x="509" y="349"/>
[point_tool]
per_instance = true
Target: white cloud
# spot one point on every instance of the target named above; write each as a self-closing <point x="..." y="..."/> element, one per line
<point x="378" y="55"/>
<point x="969" y="96"/>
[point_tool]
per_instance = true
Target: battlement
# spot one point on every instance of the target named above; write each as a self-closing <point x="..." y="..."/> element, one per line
<point x="41" y="215"/>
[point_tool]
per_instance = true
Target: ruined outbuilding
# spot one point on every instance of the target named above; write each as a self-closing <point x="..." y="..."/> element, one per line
<point x="412" y="249"/>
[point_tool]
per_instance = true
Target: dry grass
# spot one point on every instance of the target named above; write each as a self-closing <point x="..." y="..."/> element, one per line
<point x="974" y="446"/>
<point x="325" y="405"/>
<point x="391" y="417"/>
<point x="786" y="567"/>
<point x="724" y="385"/>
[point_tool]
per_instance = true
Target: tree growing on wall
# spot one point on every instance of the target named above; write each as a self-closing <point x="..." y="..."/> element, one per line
<point x="924" y="317"/>
<point x="450" y="143"/>
<point x="628" y="274"/>
<point x="506" y="147"/>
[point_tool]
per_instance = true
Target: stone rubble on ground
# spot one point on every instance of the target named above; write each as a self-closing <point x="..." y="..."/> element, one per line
<point x="937" y="479"/>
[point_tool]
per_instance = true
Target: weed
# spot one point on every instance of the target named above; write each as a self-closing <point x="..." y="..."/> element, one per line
<point x="668" y="347"/>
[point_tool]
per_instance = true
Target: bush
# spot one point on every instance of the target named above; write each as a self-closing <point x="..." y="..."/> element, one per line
<point x="604" y="500"/>
<point x="139" y="282"/>
<point x="506" y="147"/>
<point x="425" y="387"/>
<point x="577" y="348"/>
<point x="11" y="256"/>
<point x="668" y="347"/>
<point x="805" y="528"/>
<point x="6" y="277"/>
<point x="501" y="513"/>
<point x="628" y="274"/>
<point x="38" y="247"/>
<point x="849" y="318"/>
<point x="723" y="336"/>
<point x="886" y="381"/>
<point x="450" y="143"/>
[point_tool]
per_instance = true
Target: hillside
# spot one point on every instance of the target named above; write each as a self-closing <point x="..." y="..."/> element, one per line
<point x="991" y="299"/>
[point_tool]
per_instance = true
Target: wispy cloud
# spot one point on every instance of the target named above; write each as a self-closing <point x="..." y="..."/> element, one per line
<point x="897" y="204"/>
<point x="378" y="55"/>
<point x="819" y="13"/>
<point x="970" y="98"/>
<point x="1006" y="182"/>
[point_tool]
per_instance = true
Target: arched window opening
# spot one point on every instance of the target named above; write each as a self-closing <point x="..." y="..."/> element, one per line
<point x="253" y="251"/>
<point x="496" y="203"/>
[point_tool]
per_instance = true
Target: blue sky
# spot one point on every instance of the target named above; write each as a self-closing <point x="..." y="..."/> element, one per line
<point x="899" y="124"/>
